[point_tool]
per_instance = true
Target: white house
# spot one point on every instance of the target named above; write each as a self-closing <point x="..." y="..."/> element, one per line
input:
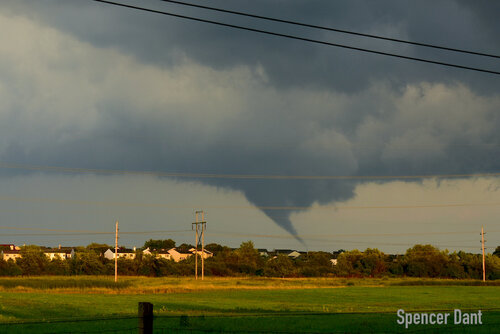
<point x="205" y="254"/>
<point x="13" y="255"/>
<point x="263" y="252"/>
<point x="62" y="253"/>
<point x="176" y="256"/>
<point x="123" y="253"/>
<point x="172" y="254"/>
<point x="294" y="254"/>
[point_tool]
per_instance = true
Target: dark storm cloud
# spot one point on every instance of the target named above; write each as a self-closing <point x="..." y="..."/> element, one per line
<point x="162" y="40"/>
<point x="308" y="110"/>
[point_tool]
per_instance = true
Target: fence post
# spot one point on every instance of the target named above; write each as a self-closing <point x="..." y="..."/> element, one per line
<point x="145" y="318"/>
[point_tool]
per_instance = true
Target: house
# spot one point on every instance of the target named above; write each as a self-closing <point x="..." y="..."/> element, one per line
<point x="63" y="253"/>
<point x="289" y="252"/>
<point x="205" y="254"/>
<point x="164" y="254"/>
<point x="159" y="254"/>
<point x="123" y="253"/>
<point x="333" y="262"/>
<point x="263" y="252"/>
<point x="13" y="255"/>
<point x="282" y="251"/>
<point x="294" y="254"/>
<point x="173" y="254"/>
<point x="9" y="247"/>
<point x="147" y="251"/>
<point x="176" y="256"/>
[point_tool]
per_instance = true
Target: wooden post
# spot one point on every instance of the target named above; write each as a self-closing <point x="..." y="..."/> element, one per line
<point x="145" y="318"/>
<point x="202" y="245"/>
<point x="196" y="252"/>
<point x="482" y="244"/>
<point x="116" y="252"/>
<point x="198" y="236"/>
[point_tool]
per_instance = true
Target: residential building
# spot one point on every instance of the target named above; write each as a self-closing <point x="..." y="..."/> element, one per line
<point x="176" y="256"/>
<point x="123" y="253"/>
<point x="13" y="255"/>
<point x="263" y="252"/>
<point x="9" y="247"/>
<point x="63" y="253"/>
<point x="205" y="254"/>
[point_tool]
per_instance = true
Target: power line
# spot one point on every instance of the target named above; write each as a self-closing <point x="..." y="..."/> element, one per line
<point x="329" y="240"/>
<point x="343" y="31"/>
<point x="238" y="207"/>
<point x="85" y="232"/>
<point x="243" y="176"/>
<point x="324" y="238"/>
<point x="267" y="32"/>
<point x="321" y="240"/>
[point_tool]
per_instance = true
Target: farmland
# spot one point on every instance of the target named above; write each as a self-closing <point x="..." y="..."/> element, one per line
<point x="54" y="304"/>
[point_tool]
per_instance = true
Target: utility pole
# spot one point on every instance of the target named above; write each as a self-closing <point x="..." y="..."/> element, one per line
<point x="116" y="252"/>
<point x="482" y="243"/>
<point x="202" y="246"/>
<point x="200" y="227"/>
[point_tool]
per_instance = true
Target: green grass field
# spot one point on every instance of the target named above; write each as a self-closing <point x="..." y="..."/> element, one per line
<point x="75" y="304"/>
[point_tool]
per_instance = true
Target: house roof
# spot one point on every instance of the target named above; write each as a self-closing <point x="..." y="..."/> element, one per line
<point x="283" y="251"/>
<point x="65" y="250"/>
<point x="122" y="250"/>
<point x="11" y="251"/>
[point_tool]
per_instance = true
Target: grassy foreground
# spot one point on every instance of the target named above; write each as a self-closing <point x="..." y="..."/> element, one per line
<point x="76" y="304"/>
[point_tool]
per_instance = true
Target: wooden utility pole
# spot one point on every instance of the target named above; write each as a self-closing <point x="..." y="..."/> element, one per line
<point x="200" y="227"/>
<point x="116" y="252"/>
<point x="202" y="246"/>
<point x="196" y="252"/>
<point x="482" y="243"/>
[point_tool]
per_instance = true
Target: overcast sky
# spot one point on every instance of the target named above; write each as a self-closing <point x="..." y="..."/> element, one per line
<point x="89" y="85"/>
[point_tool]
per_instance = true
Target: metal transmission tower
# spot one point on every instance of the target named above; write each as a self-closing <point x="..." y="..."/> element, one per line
<point x="200" y="227"/>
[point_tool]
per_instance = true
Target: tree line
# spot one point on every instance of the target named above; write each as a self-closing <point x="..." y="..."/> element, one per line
<point x="418" y="261"/>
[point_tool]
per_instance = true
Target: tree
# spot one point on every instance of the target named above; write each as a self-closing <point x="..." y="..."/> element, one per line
<point x="454" y="267"/>
<point x="159" y="244"/>
<point x="99" y="248"/>
<point x="216" y="248"/>
<point x="425" y="261"/>
<point x="89" y="263"/>
<point x="33" y="261"/>
<point x="280" y="266"/>
<point x="9" y="268"/>
<point x="497" y="251"/>
<point x="349" y="263"/>
<point x="472" y="264"/>
<point x="373" y="262"/>
<point x="248" y="258"/>
<point x="58" y="267"/>
<point x="184" y="248"/>
<point x="492" y="263"/>
<point x="315" y="264"/>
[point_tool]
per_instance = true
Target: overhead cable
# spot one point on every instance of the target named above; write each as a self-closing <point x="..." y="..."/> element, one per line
<point x="343" y="31"/>
<point x="304" y="39"/>
<point x="243" y="176"/>
<point x="238" y="207"/>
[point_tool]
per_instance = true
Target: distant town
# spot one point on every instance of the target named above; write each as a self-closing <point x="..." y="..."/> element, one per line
<point x="164" y="258"/>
